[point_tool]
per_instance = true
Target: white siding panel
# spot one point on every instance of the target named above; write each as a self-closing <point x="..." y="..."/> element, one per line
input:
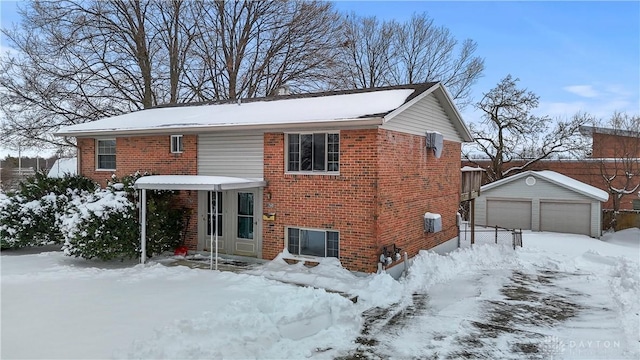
<point x="596" y="219"/>
<point x="425" y="115"/>
<point x="541" y="189"/>
<point x="231" y="154"/>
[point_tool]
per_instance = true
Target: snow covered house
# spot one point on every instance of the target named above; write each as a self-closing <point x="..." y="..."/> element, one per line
<point x="542" y="201"/>
<point x="346" y="174"/>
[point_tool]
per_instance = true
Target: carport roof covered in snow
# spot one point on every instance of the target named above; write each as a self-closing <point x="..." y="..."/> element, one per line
<point x="196" y="182"/>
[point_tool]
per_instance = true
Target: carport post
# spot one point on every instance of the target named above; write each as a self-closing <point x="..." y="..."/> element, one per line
<point x="143" y="222"/>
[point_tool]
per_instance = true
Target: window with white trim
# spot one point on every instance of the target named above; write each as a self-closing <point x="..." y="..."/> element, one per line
<point x="313" y="152"/>
<point x="176" y="144"/>
<point x="106" y="154"/>
<point x="311" y="242"/>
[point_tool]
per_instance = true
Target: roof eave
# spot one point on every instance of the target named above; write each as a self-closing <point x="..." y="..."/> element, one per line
<point x="329" y="124"/>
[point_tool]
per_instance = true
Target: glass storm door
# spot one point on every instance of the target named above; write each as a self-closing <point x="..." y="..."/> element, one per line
<point x="245" y="235"/>
<point x="210" y="220"/>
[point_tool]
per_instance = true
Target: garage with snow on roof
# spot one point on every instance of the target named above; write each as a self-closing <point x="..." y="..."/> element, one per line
<point x="542" y="201"/>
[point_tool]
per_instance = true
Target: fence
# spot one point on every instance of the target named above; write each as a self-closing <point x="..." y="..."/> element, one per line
<point x="624" y="219"/>
<point x="490" y="235"/>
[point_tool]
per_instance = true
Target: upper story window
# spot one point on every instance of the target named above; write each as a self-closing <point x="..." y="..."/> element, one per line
<point x="313" y="152"/>
<point x="176" y="144"/>
<point x="106" y="154"/>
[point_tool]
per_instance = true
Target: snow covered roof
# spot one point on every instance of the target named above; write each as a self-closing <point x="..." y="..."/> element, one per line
<point x="64" y="166"/>
<point x="556" y="178"/>
<point x="362" y="107"/>
<point x="196" y="182"/>
<point x="469" y="168"/>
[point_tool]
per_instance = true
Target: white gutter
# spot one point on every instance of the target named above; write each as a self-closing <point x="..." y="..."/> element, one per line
<point x="196" y="129"/>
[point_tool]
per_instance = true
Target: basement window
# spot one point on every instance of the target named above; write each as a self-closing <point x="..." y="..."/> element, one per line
<point x="176" y="144"/>
<point x="311" y="242"/>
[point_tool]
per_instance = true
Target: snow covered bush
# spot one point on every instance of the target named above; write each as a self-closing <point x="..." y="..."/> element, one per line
<point x="91" y="222"/>
<point x="104" y="224"/>
<point x="101" y="225"/>
<point x="31" y="215"/>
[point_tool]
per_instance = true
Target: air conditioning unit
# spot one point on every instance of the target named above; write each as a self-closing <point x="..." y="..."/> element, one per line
<point x="435" y="141"/>
<point x="432" y="222"/>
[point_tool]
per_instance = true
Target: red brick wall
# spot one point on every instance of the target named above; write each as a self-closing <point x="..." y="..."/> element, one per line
<point x="148" y="154"/>
<point x="141" y="153"/>
<point x="610" y="146"/>
<point x="344" y="202"/>
<point x="387" y="182"/>
<point x="413" y="181"/>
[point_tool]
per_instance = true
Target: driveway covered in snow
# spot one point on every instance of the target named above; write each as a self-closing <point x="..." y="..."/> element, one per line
<point x="561" y="296"/>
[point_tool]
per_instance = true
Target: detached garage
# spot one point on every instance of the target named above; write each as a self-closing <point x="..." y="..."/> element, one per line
<point x="541" y="201"/>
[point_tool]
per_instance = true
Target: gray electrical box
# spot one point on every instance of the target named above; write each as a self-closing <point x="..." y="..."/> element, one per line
<point x="432" y="222"/>
<point x="435" y="141"/>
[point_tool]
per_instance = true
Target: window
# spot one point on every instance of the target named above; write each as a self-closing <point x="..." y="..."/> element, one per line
<point x="106" y="154"/>
<point x="176" y="144"/>
<point x="322" y="243"/>
<point x="636" y="204"/>
<point x="314" y="152"/>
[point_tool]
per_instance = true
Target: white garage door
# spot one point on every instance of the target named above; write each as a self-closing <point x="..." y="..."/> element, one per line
<point x="510" y="214"/>
<point x="565" y="217"/>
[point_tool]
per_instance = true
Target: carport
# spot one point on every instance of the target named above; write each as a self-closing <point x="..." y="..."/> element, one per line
<point x="188" y="182"/>
<point x="542" y="201"/>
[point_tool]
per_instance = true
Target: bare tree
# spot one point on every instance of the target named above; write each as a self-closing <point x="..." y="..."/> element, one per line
<point x="426" y="52"/>
<point x="619" y="162"/>
<point x="375" y="53"/>
<point x="509" y="131"/>
<point x="77" y="61"/>
<point x="366" y="53"/>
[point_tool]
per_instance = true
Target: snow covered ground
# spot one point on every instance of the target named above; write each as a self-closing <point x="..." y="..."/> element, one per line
<point x="561" y="296"/>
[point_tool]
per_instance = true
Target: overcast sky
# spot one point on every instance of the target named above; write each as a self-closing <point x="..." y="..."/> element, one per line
<point x="577" y="56"/>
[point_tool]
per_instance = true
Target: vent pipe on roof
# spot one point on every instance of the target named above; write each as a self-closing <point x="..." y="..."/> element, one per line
<point x="283" y="90"/>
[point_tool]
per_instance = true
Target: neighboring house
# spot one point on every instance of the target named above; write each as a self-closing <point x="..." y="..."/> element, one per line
<point x="609" y="147"/>
<point x="541" y="201"/>
<point x="64" y="166"/>
<point x="338" y="174"/>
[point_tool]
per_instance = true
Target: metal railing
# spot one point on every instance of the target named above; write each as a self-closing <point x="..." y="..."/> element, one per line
<point x="490" y="235"/>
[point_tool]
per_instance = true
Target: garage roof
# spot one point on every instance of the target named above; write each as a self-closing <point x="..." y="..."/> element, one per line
<point x="555" y="178"/>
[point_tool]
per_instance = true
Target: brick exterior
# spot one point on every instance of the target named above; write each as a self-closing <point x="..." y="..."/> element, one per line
<point x="387" y="181"/>
<point x="411" y="181"/>
<point x="148" y="154"/>
<point x="345" y="202"/>
<point x="611" y="145"/>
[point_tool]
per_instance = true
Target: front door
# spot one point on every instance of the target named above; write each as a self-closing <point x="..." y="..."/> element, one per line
<point x="236" y="219"/>
<point x="245" y="223"/>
